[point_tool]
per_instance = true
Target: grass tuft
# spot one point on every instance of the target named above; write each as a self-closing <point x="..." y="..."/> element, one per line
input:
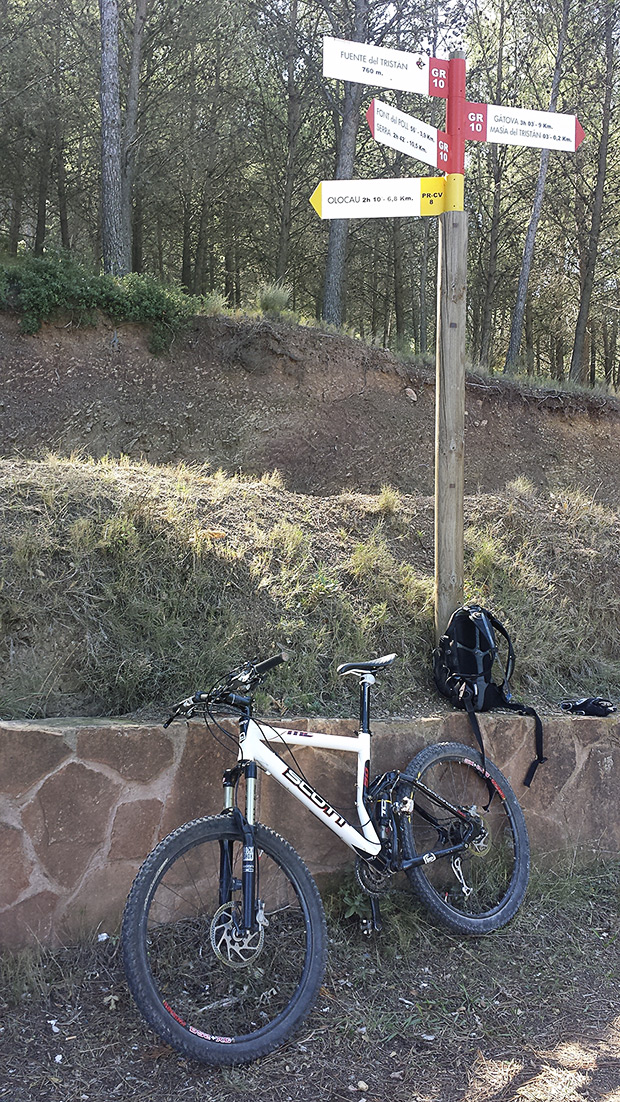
<point x="125" y="584"/>
<point x="273" y="298"/>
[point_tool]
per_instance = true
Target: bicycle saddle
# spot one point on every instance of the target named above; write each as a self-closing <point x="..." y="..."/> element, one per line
<point x="367" y="667"/>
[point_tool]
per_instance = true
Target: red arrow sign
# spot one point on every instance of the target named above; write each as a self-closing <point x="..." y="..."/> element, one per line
<point x="488" y="122"/>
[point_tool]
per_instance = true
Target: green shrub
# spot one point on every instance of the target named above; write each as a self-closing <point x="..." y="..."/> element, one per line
<point x="40" y="288"/>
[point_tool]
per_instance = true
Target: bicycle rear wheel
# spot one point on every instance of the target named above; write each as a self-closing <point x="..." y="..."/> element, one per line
<point x="210" y="990"/>
<point x="483" y="887"/>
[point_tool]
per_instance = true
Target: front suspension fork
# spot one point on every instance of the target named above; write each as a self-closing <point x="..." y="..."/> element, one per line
<point x="245" y="823"/>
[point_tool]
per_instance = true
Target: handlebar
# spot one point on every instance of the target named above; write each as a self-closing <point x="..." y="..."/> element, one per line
<point x="261" y="668"/>
<point x="248" y="675"/>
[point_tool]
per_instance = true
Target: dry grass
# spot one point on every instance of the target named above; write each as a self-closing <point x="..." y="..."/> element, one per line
<point x="529" y="1014"/>
<point x="125" y="584"/>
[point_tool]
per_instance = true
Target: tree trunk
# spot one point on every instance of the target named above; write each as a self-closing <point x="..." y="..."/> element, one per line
<point x="186" y="254"/>
<point x="374" y="282"/>
<point x="160" y="247"/>
<point x="333" y="289"/>
<point x="130" y="124"/>
<point x="59" y="144"/>
<point x="579" y="364"/>
<point x="497" y="159"/>
<point x="115" y="249"/>
<point x="200" y="274"/>
<point x="426" y="231"/>
<point x="293" y="122"/>
<point x="558" y="357"/>
<point x="609" y="351"/>
<point x="529" y="338"/>
<point x="238" y="276"/>
<point x="45" y="161"/>
<point x="491" y="279"/>
<point x="17" y="198"/>
<point x="206" y="203"/>
<point x="399" y="280"/>
<point x="514" y="343"/>
<point x="61" y="183"/>
<point x="137" y="234"/>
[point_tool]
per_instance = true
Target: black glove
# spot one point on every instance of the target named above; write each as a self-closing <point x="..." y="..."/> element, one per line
<point x="588" y="706"/>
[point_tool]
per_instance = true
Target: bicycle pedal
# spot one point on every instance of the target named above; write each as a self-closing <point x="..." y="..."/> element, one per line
<point x="366" y="927"/>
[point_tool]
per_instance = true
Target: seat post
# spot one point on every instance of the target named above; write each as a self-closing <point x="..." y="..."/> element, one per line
<point x="366" y="681"/>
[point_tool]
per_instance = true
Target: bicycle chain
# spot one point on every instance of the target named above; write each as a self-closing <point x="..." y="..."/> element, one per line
<point x="373" y="881"/>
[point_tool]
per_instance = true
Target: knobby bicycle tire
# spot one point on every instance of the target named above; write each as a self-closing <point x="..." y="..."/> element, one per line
<point x="207" y="989"/>
<point x="486" y="888"/>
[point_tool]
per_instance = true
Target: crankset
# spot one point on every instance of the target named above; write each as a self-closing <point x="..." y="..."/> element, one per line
<point x="373" y="880"/>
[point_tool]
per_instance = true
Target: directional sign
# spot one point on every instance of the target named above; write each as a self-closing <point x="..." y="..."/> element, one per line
<point x="489" y="122"/>
<point x="363" y="64"/>
<point x="413" y="198"/>
<point x="400" y="131"/>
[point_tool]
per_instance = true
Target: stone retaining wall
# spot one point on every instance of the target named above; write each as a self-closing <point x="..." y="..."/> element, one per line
<point x="83" y="802"/>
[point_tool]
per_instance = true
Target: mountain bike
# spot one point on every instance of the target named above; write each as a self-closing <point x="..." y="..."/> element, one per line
<point x="224" y="935"/>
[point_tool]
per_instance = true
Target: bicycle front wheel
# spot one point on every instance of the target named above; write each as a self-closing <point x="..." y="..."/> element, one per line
<point x="213" y="991"/>
<point x="482" y="887"/>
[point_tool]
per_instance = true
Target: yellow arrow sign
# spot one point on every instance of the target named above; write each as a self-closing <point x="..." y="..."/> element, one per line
<point x="413" y="198"/>
<point x="316" y="199"/>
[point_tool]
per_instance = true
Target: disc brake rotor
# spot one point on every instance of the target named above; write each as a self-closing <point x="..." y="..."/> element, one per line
<point x="480" y="845"/>
<point x="235" y="947"/>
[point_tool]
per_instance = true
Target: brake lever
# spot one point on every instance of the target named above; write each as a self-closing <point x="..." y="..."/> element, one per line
<point x="242" y="676"/>
<point x="186" y="708"/>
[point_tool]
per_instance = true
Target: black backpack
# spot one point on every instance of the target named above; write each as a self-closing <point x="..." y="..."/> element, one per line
<point x="463" y="664"/>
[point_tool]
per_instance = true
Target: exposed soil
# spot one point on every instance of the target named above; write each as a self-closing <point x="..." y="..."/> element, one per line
<point x="529" y="1015"/>
<point x="329" y="412"/>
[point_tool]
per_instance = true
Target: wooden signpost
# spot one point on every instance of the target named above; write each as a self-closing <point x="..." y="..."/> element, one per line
<point x="442" y="196"/>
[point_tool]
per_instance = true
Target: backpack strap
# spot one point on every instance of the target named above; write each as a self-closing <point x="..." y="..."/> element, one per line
<point x="466" y="698"/>
<point x="525" y="710"/>
<point x="510" y="660"/>
<point x="466" y="695"/>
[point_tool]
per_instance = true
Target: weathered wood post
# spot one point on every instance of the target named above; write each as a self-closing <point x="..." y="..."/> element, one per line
<point x="450" y="361"/>
<point x="481" y="122"/>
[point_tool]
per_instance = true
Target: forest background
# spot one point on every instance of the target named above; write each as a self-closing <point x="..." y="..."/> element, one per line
<point x="183" y="139"/>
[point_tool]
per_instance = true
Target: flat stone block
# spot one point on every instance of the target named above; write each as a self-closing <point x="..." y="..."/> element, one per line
<point x="135" y="753"/>
<point x="30" y="922"/>
<point x="98" y="905"/>
<point x="15" y="866"/>
<point x="27" y="755"/>
<point x="197" y="786"/>
<point x="68" y="820"/>
<point x="135" y="829"/>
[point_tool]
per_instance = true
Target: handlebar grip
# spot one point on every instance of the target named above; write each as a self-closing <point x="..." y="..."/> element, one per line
<point x="262" y="667"/>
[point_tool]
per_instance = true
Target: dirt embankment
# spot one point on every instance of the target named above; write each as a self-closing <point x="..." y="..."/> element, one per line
<point x="329" y="412"/>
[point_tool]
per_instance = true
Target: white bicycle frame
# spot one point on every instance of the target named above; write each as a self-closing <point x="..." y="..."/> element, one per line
<point x="253" y="747"/>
